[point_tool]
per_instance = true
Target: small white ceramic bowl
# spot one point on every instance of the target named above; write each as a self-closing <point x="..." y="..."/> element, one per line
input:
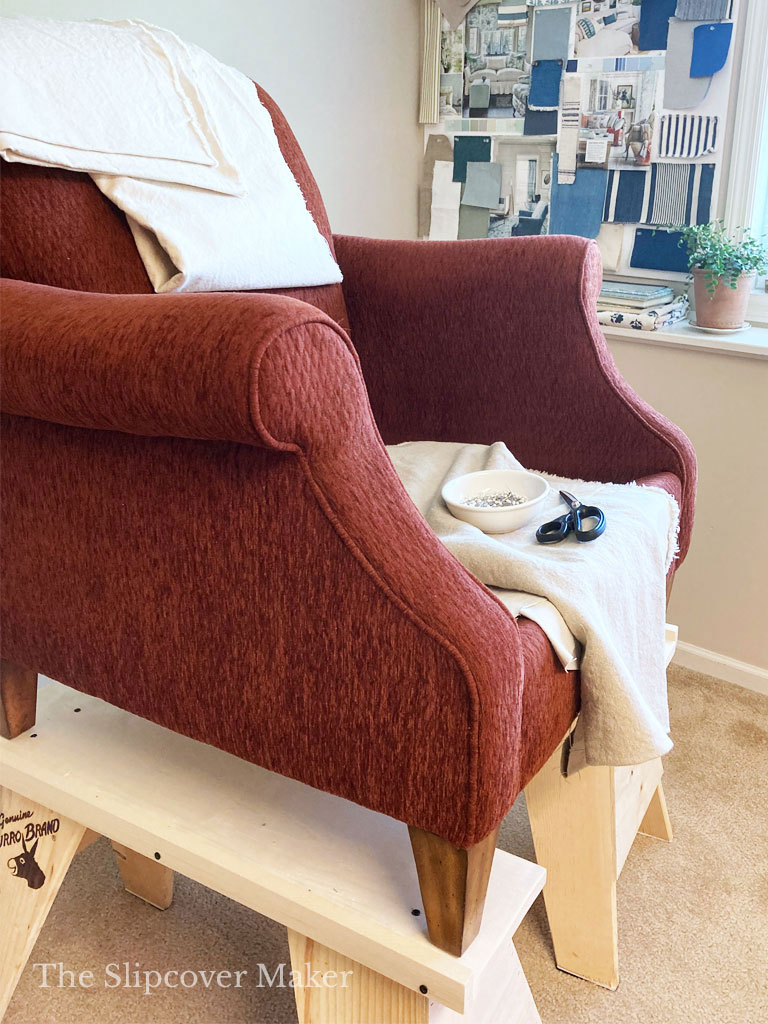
<point x="495" y="520"/>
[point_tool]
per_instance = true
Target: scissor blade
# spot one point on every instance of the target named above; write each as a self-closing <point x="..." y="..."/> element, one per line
<point x="570" y="500"/>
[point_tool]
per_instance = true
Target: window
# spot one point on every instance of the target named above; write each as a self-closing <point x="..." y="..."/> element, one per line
<point x="760" y="207"/>
<point x="746" y="188"/>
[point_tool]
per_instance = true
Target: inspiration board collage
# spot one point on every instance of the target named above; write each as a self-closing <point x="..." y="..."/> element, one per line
<point x="599" y="118"/>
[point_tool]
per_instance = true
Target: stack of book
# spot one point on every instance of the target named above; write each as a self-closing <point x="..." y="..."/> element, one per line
<point x="640" y="307"/>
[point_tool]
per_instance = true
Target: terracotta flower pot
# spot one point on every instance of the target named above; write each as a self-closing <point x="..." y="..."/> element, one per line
<point x="726" y="307"/>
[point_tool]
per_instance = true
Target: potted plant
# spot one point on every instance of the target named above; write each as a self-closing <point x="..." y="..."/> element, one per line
<point x="723" y="272"/>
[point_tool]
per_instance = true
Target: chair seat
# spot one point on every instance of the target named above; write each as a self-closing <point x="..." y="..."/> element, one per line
<point x="552" y="696"/>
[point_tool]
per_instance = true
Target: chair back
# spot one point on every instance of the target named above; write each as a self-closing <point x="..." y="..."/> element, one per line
<point x="58" y="229"/>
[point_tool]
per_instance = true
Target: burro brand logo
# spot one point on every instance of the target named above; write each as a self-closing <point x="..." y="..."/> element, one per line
<point x="15" y="830"/>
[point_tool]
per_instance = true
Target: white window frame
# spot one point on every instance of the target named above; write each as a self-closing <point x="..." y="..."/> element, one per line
<point x="748" y="120"/>
<point x="749" y="103"/>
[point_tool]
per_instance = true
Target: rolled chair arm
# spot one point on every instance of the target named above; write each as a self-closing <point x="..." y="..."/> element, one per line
<point x="192" y="366"/>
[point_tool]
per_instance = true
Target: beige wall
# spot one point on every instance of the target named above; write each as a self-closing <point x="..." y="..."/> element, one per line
<point x="344" y="72"/>
<point x="719" y="599"/>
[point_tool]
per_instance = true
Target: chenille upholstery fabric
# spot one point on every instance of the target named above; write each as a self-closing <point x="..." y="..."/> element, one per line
<point x="201" y="524"/>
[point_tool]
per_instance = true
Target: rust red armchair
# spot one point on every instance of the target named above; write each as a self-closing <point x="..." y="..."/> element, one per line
<point x="201" y="523"/>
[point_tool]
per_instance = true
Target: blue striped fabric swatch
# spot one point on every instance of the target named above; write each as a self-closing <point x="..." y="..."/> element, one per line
<point x="640" y="62"/>
<point x="687" y="136"/>
<point x="679" y="194"/>
<point x="657" y="250"/>
<point x="703" y="10"/>
<point x="624" y="197"/>
<point x="511" y="12"/>
<point x="577" y="209"/>
<point x="668" y="193"/>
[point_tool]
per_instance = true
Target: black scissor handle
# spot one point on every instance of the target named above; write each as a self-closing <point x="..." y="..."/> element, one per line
<point x="588" y="512"/>
<point x="555" y="530"/>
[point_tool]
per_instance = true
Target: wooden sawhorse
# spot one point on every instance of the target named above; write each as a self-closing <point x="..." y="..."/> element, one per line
<point x="340" y="877"/>
<point x="583" y="826"/>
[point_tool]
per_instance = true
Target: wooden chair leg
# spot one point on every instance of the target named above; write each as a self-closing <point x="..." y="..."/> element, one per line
<point x="144" y="877"/>
<point x="453" y="884"/>
<point x="38" y="845"/>
<point x="18" y="699"/>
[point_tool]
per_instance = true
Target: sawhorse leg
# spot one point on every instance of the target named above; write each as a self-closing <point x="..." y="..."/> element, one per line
<point x="37" y="848"/>
<point x="359" y="995"/>
<point x="583" y="826"/>
<point x="37" y="845"/>
<point x="145" y="877"/>
<point x="656" y="822"/>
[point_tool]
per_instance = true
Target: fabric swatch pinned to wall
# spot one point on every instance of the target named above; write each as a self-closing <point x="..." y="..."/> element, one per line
<point x="446" y="196"/>
<point x="511" y="11"/>
<point x="681" y="92"/>
<point x="702" y="10"/>
<point x="687" y="136"/>
<point x="545" y="84"/>
<point x="568" y="135"/>
<point x="551" y="33"/>
<point x="637" y="62"/>
<point x="624" y="196"/>
<point x="679" y="194"/>
<point x="438" y="147"/>
<point x="711" y="44"/>
<point x="483" y="186"/>
<point x="669" y="193"/>
<point x="540" y="122"/>
<point x="577" y="209"/>
<point x="473" y="222"/>
<point x="654" y="22"/>
<point x="610" y="242"/>
<point x="658" y="250"/>
<point x="456" y="11"/>
<point x="476" y="148"/>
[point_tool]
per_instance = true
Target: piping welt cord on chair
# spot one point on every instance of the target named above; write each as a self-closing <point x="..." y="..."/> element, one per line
<point x="202" y="525"/>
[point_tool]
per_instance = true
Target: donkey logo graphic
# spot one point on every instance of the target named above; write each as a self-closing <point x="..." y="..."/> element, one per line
<point x="25" y="866"/>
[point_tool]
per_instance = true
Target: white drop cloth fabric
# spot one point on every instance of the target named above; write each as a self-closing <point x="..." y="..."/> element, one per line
<point x="180" y="142"/>
<point x="611" y="592"/>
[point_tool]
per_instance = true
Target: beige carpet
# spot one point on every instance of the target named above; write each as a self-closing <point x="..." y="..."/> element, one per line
<point x="693" y="916"/>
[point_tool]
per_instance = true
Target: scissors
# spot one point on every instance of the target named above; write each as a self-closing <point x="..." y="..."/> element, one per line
<point x="558" y="529"/>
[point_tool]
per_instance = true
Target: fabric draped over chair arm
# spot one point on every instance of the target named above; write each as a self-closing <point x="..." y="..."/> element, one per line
<point x="498" y="340"/>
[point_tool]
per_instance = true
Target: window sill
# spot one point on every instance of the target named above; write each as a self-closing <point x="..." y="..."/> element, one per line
<point x="752" y="343"/>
